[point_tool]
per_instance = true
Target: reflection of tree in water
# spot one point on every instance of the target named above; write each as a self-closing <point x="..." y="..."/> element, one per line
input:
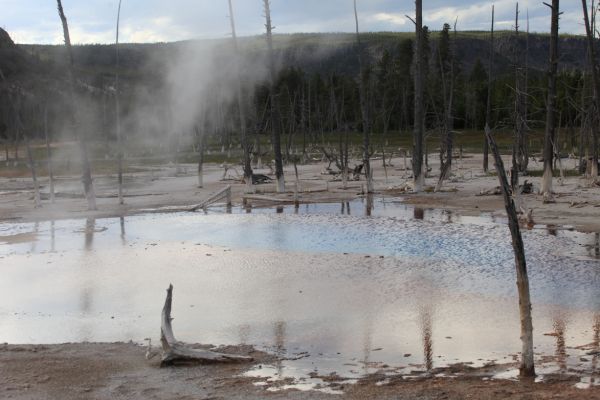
<point x="280" y="332"/>
<point x="122" y="223"/>
<point x="425" y="314"/>
<point x="596" y="349"/>
<point x="560" y="328"/>
<point x="418" y="213"/>
<point x="244" y="333"/>
<point x="36" y="229"/>
<point x="52" y="236"/>
<point x="90" y="227"/>
<point x="346" y="207"/>
<point x="369" y="206"/>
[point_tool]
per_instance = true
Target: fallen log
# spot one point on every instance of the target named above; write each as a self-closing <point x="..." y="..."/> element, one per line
<point x="175" y="352"/>
<point x="224" y="193"/>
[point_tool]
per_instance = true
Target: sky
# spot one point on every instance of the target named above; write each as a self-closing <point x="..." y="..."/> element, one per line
<point x="147" y="21"/>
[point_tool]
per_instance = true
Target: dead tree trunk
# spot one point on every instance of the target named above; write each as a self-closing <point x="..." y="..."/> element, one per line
<point x="549" y="137"/>
<point x="364" y="109"/>
<point x="241" y="105"/>
<point x="88" y="185"/>
<point x="201" y="149"/>
<point x="49" y="154"/>
<point x="593" y="65"/>
<point x="520" y="156"/>
<point x="527" y="366"/>
<point x="36" y="187"/>
<point x="448" y="122"/>
<point x="275" y="122"/>
<point x="488" y="109"/>
<point x="419" y="123"/>
<point x="118" y="115"/>
<point x="175" y="352"/>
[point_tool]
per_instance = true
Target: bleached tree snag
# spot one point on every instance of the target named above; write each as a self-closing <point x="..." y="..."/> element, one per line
<point x="175" y="352"/>
<point x="88" y="185"/>
<point x="275" y="123"/>
<point x="241" y="106"/>
<point x="201" y="149"/>
<point x="549" y="137"/>
<point x="419" y="122"/>
<point x="118" y="116"/>
<point x="527" y="368"/>
<point x="364" y="109"/>
<point x="49" y="154"/>
<point x="593" y="65"/>
<point x="36" y="187"/>
<point x="488" y="109"/>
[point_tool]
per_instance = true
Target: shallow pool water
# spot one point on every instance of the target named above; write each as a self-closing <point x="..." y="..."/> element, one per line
<point x="394" y="289"/>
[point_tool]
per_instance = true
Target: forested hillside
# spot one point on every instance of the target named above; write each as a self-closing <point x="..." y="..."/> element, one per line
<point x="317" y="87"/>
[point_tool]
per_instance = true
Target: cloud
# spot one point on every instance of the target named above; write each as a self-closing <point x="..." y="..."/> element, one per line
<point x="394" y="19"/>
<point x="93" y="21"/>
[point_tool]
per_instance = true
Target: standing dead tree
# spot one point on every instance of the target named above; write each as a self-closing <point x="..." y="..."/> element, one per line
<point x="419" y="122"/>
<point x="364" y="108"/>
<point x="527" y="368"/>
<point x="520" y="156"/>
<point x="593" y="65"/>
<point x="274" y="109"/>
<point x="176" y="352"/>
<point x="88" y="185"/>
<point x="201" y="150"/>
<point x="448" y="81"/>
<point x="488" y="109"/>
<point x="241" y="104"/>
<point x="550" y="135"/>
<point x="48" y="152"/>
<point x="117" y="114"/>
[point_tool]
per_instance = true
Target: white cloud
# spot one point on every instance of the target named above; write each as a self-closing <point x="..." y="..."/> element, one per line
<point x="395" y="19"/>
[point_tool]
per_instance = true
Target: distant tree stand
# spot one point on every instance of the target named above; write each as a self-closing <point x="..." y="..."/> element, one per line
<point x="175" y="352"/>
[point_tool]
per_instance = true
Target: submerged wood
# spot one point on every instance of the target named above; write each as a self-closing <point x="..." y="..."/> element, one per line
<point x="176" y="352"/>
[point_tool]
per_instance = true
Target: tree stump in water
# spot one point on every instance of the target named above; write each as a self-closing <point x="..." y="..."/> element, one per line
<point x="175" y="352"/>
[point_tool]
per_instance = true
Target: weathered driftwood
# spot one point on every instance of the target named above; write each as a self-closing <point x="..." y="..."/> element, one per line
<point x="175" y="352"/>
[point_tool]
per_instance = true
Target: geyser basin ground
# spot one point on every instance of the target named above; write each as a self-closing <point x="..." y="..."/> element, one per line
<point x="348" y="294"/>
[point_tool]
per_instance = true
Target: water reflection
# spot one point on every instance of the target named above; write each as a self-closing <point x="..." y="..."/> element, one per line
<point x="560" y="328"/>
<point x="90" y="229"/>
<point x="52" y="236"/>
<point x="426" y="323"/>
<point x="418" y="213"/>
<point x="122" y="225"/>
<point x="369" y="206"/>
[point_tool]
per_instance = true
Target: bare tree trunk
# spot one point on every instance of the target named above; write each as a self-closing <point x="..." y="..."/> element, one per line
<point x="275" y="122"/>
<point x="419" y="123"/>
<point x="520" y="156"/>
<point x="36" y="187"/>
<point x="488" y="110"/>
<point x="527" y="367"/>
<point x="176" y="352"/>
<point x="201" y="149"/>
<point x="596" y="88"/>
<point x="364" y="110"/>
<point x="88" y="185"/>
<point x="118" y="115"/>
<point x="546" y="189"/>
<point x="448" y="123"/>
<point x="241" y="105"/>
<point x="49" y="154"/>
